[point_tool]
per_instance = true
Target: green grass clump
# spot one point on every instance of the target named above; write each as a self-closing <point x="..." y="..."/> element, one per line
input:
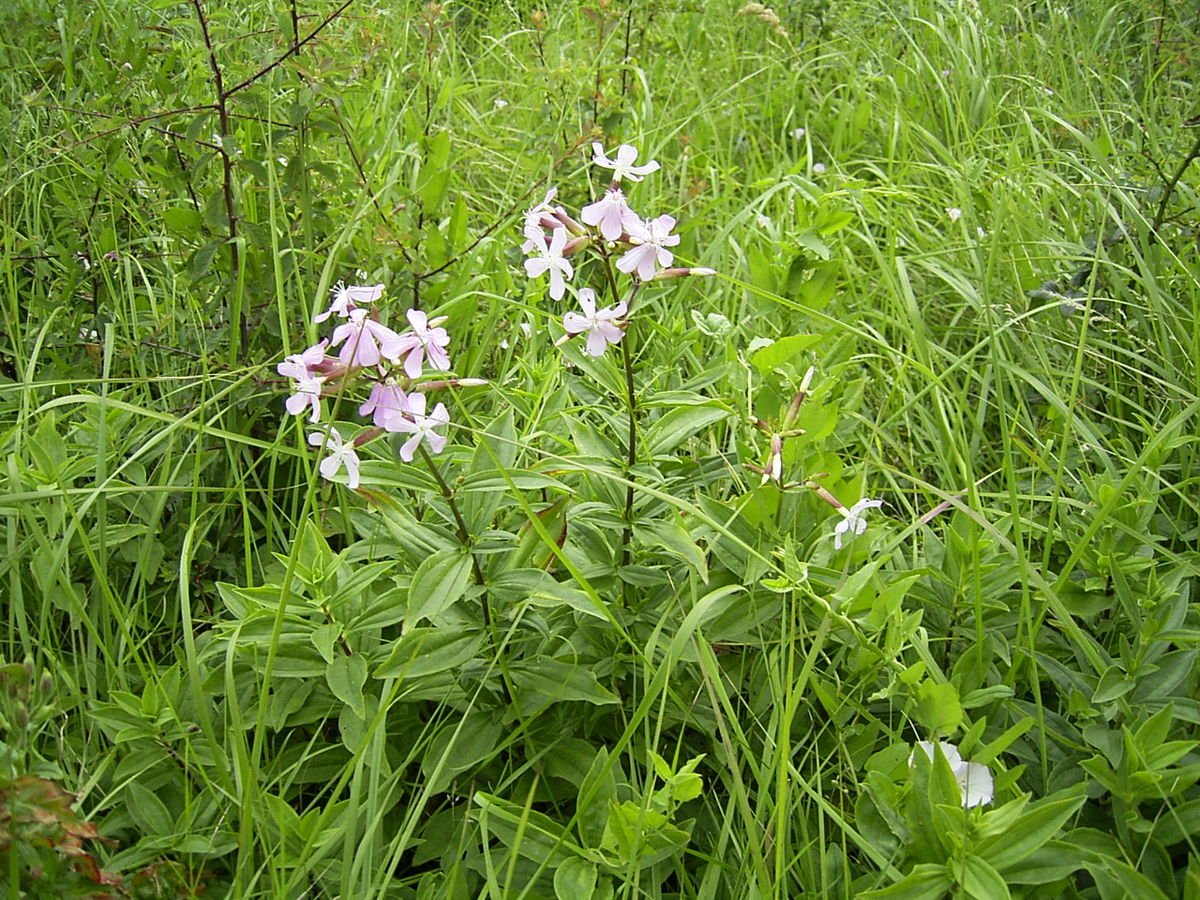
<point x="956" y="256"/>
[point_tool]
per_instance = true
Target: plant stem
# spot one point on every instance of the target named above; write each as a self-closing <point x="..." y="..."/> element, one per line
<point x="464" y="536"/>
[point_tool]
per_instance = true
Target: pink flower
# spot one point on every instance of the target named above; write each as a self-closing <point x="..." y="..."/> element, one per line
<point x="387" y="401"/>
<point x="600" y="326"/>
<point x="650" y="241"/>
<point x="302" y="369"/>
<point x="347" y="297"/>
<point x="549" y="259"/>
<point x="341" y="453"/>
<point x="366" y="341"/>
<point x="304" y="363"/>
<point x="306" y="392"/>
<point x="421" y="426"/>
<point x="611" y="214"/>
<point x="427" y="339"/>
<point x="623" y="166"/>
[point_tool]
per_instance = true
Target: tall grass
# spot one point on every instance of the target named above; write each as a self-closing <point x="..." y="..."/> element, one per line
<point x="948" y="209"/>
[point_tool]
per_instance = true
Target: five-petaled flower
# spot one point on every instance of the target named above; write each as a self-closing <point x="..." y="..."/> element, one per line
<point x="853" y="521"/>
<point x="650" y="242"/>
<point x="623" y="166"/>
<point x="601" y="325"/>
<point x="366" y="341"/>
<point x="303" y="369"/>
<point x="549" y="259"/>
<point x="427" y="340"/>
<point x="611" y="214"/>
<point x="346" y="298"/>
<point x="341" y="453"/>
<point x="421" y="426"/>
<point x="974" y="779"/>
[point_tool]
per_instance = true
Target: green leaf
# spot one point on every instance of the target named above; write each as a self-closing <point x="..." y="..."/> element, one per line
<point x="439" y="582"/>
<point x="184" y="220"/>
<point x="532" y="834"/>
<point x="1116" y="880"/>
<point x="669" y="536"/>
<point x="324" y="638"/>
<point x="148" y="811"/>
<point x="575" y="879"/>
<point x="782" y="351"/>
<point x="676" y="426"/>
<point x="346" y="677"/>
<point x="541" y="681"/>
<point x="425" y="651"/>
<point x="1051" y="862"/>
<point x="1039" y="823"/>
<point x="496" y="447"/>
<point x="981" y="881"/>
<point x="927" y="881"/>
<point x="597" y="794"/>
<point x="938" y="709"/>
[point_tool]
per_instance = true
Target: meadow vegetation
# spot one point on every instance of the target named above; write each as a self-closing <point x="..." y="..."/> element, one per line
<point x="859" y="568"/>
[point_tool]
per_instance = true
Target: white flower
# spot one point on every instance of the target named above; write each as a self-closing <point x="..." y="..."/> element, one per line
<point x="650" y="241"/>
<point x="601" y="325"/>
<point x="550" y="259"/>
<point x="500" y="103"/>
<point x="763" y="220"/>
<point x="818" y="168"/>
<point x="798" y="134"/>
<point x="853" y="520"/>
<point x="341" y="453"/>
<point x="974" y="779"/>
<point x="421" y="426"/>
<point x="346" y="299"/>
<point x="954" y="213"/>
<point x="611" y="214"/>
<point x="623" y="166"/>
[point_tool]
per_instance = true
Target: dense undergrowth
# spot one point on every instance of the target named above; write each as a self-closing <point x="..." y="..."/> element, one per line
<point x="957" y="272"/>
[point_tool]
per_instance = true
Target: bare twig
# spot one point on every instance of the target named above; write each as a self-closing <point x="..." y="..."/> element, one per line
<point x="291" y="51"/>
<point x="231" y="217"/>
<point x="1160" y="214"/>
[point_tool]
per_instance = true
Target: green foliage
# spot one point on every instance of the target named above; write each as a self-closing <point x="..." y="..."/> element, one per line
<point x="956" y="272"/>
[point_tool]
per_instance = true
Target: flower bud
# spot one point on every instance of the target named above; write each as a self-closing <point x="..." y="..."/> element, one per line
<point x="575" y="245"/>
<point x="683" y="273"/>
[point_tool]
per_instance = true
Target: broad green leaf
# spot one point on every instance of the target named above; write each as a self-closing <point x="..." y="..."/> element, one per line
<point x="148" y="811"/>
<point x="597" y="794"/>
<point x="532" y="834"/>
<point x="783" y="351"/>
<point x="184" y="220"/>
<point x="575" y="879"/>
<point x="981" y="882"/>
<point x="424" y="651"/>
<point x="927" y="881"/>
<point x="669" y="536"/>
<point x="346" y="676"/>
<point x="439" y="582"/>
<point x="1053" y="861"/>
<point x="938" y="709"/>
<point x="1038" y="823"/>
<point x="676" y="426"/>
<point x="541" y="681"/>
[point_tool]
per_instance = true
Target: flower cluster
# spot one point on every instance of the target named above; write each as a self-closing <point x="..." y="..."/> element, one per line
<point x="394" y="362"/>
<point x="608" y="227"/>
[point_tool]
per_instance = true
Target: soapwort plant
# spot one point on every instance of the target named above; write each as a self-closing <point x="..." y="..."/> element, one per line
<point x="629" y="251"/>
